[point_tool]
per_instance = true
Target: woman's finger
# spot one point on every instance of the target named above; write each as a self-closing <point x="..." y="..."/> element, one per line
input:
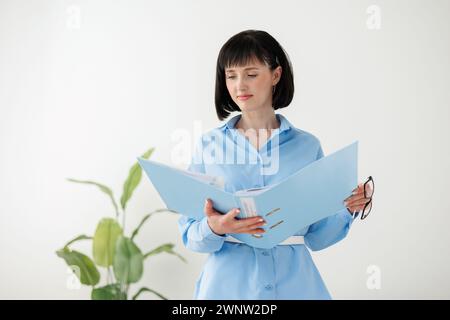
<point x="357" y="192"/>
<point x="253" y="226"/>
<point x="232" y="214"/>
<point x="356" y="197"/>
<point x="251" y="231"/>
<point x="209" y="209"/>
<point x="358" y="202"/>
<point x="245" y="223"/>
<point x="358" y="189"/>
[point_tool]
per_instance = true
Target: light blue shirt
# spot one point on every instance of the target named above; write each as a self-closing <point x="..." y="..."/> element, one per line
<point x="236" y="270"/>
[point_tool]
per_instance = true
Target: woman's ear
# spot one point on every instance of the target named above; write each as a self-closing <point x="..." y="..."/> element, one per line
<point x="276" y="75"/>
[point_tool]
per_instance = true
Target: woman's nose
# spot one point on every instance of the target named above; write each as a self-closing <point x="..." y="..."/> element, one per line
<point x="241" y="84"/>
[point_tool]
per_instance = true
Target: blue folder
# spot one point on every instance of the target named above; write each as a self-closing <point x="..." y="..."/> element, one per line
<point x="314" y="192"/>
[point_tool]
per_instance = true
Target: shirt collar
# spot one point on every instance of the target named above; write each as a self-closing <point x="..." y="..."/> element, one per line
<point x="284" y="123"/>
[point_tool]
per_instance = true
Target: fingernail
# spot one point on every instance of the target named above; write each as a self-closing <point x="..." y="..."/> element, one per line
<point x="261" y="220"/>
<point x="345" y="202"/>
<point x="237" y="210"/>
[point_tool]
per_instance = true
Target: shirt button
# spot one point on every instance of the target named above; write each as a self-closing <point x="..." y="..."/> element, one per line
<point x="269" y="287"/>
<point x="265" y="253"/>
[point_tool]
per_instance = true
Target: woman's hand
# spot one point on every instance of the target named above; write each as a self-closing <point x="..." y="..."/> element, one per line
<point x="227" y="223"/>
<point x="356" y="201"/>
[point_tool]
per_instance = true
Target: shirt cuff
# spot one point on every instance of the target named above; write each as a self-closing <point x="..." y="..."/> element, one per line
<point x="351" y="214"/>
<point x="347" y="216"/>
<point x="206" y="231"/>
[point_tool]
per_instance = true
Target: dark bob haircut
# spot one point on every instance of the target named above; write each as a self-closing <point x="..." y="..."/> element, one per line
<point x="240" y="50"/>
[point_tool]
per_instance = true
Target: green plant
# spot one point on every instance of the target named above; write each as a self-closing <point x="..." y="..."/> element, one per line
<point x="111" y="249"/>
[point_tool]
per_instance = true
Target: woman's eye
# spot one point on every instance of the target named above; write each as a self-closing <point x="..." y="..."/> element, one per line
<point x="250" y="75"/>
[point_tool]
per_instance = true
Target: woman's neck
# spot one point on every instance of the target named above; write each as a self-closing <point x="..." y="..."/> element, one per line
<point x="258" y="120"/>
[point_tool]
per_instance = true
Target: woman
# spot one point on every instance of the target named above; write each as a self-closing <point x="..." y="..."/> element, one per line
<point x="254" y="77"/>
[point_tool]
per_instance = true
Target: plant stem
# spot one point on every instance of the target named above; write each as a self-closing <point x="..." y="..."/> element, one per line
<point x="123" y="220"/>
<point x="113" y="277"/>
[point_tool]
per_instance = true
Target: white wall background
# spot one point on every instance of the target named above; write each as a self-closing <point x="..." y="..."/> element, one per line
<point x="82" y="96"/>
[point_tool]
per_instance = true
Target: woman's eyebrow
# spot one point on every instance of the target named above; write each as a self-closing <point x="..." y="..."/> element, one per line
<point x="249" y="68"/>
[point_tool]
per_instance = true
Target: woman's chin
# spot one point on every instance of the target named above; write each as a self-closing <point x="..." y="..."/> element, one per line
<point x="246" y="107"/>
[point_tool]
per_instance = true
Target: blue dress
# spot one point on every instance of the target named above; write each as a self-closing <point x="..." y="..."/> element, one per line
<point x="235" y="271"/>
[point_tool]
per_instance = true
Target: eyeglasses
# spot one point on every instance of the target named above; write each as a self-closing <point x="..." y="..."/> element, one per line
<point x="369" y="187"/>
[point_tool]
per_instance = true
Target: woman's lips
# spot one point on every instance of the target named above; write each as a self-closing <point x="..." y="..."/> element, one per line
<point x="245" y="97"/>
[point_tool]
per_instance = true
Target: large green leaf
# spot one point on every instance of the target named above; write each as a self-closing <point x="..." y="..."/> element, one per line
<point x="88" y="274"/>
<point x="128" y="261"/>
<point x="148" y="290"/>
<point x="109" y="292"/>
<point x="103" y="188"/>
<point x="167" y="247"/>
<point x="134" y="177"/>
<point x="104" y="245"/>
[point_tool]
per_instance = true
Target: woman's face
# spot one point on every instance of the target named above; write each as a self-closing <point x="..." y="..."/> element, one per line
<point x="250" y="86"/>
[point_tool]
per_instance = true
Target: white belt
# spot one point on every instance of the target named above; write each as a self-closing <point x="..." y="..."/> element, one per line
<point x="289" y="241"/>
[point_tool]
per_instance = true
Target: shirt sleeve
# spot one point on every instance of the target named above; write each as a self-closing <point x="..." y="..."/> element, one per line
<point x="197" y="235"/>
<point x="330" y="230"/>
